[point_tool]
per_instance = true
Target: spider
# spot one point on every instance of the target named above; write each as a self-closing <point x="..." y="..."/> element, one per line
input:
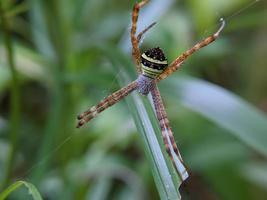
<point x="152" y="67"/>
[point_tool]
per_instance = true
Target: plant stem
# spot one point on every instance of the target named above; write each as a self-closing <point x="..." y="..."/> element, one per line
<point x="15" y="97"/>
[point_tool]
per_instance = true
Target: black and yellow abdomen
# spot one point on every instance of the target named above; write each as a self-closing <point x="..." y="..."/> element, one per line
<point x="153" y="62"/>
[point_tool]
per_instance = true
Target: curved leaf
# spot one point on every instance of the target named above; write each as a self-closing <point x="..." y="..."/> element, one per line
<point x="31" y="188"/>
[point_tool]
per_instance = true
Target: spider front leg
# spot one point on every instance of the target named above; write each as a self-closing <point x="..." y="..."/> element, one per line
<point x="140" y="35"/>
<point x="135" y="47"/>
<point x="167" y="134"/>
<point x="178" y="61"/>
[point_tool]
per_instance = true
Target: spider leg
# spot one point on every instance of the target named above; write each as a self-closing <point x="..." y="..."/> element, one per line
<point x="167" y="134"/>
<point x="135" y="49"/>
<point x="140" y="35"/>
<point x="105" y="103"/>
<point x="178" y="61"/>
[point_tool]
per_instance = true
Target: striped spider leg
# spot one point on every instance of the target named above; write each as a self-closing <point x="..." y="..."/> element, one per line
<point x="152" y="67"/>
<point x="105" y="103"/>
<point x="176" y="64"/>
<point x="167" y="134"/>
<point x="135" y="40"/>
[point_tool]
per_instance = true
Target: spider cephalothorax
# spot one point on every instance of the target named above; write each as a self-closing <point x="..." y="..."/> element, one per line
<point x="152" y="67"/>
<point x="153" y="63"/>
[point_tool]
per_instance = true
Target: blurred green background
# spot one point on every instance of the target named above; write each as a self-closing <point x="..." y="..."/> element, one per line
<point x="61" y="67"/>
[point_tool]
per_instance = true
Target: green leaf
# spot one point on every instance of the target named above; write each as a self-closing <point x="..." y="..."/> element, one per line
<point x="256" y="173"/>
<point x="31" y="188"/>
<point x="18" y="9"/>
<point x="164" y="174"/>
<point x="224" y="108"/>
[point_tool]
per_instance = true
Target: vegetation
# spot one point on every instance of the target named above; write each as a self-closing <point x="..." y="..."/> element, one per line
<point x="59" y="57"/>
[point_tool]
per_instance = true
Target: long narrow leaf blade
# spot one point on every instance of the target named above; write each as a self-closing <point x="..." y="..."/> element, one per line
<point x="166" y="179"/>
<point x="224" y="108"/>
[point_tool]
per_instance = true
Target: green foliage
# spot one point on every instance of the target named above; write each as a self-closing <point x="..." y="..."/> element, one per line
<point x="68" y="55"/>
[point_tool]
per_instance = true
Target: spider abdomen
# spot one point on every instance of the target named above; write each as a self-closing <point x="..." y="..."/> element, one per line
<point x="153" y="62"/>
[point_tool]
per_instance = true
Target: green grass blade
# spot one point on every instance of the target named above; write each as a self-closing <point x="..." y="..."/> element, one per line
<point x="227" y="110"/>
<point x="15" y="108"/>
<point x="31" y="188"/>
<point x="164" y="174"/>
<point x="147" y="127"/>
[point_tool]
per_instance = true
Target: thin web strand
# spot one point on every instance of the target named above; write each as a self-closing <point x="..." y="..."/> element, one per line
<point x="47" y="157"/>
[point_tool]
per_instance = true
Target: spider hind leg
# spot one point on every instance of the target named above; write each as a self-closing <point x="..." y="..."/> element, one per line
<point x="167" y="135"/>
<point x="105" y="103"/>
